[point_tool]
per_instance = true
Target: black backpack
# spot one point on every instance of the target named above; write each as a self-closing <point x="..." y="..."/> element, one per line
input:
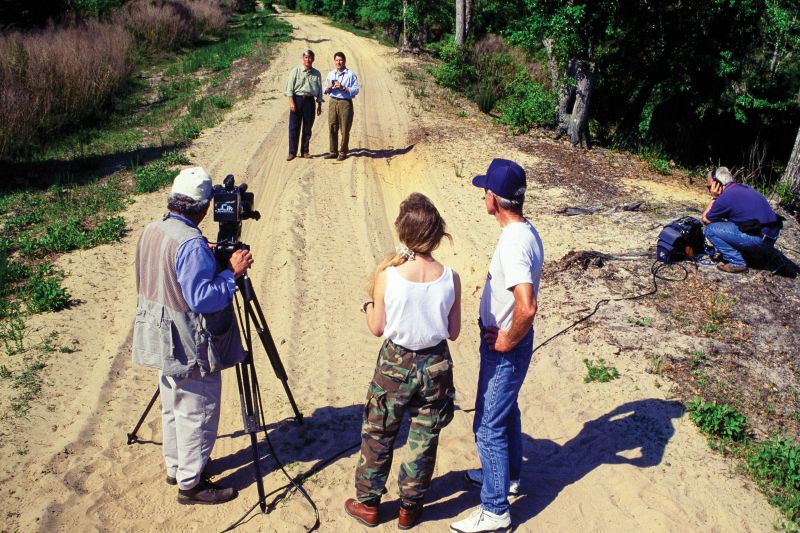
<point x="680" y="239"/>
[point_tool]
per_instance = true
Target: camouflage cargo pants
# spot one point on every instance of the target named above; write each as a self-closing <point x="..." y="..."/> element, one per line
<point x="420" y="383"/>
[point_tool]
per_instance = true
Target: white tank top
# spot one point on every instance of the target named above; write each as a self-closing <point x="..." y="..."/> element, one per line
<point x="416" y="313"/>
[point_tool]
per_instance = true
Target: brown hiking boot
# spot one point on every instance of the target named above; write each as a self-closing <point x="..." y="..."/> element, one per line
<point x="290" y="157"/>
<point x="732" y="269"/>
<point x="206" y="493"/>
<point x="366" y="514"/>
<point x="409" y="516"/>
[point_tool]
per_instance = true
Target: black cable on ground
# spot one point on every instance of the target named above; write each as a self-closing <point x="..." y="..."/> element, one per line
<point x="295" y="483"/>
<point x="655" y="269"/>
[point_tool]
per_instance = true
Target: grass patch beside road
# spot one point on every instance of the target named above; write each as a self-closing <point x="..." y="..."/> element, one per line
<point x="75" y="187"/>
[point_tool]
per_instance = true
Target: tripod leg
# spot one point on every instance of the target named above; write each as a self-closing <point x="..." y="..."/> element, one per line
<point x="132" y="435"/>
<point x="253" y="310"/>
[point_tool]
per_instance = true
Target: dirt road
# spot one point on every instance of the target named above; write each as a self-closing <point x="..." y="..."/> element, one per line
<point x="613" y="457"/>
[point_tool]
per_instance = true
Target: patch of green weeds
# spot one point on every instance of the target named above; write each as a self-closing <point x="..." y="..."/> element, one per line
<point x="656" y="365"/>
<point x="46" y="292"/>
<point x="717" y="315"/>
<point x="29" y="384"/>
<point x="12" y="331"/>
<point x="158" y="174"/>
<point x="641" y="322"/>
<point x="599" y="371"/>
<point x="775" y="465"/>
<point x="721" y="421"/>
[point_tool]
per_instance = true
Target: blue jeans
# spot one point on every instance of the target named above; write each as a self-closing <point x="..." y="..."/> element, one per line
<point x="497" y="425"/>
<point x="731" y="242"/>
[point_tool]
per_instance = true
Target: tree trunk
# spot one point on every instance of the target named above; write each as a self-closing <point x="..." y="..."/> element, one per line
<point x="578" y="131"/>
<point x="548" y="45"/>
<point x="406" y="45"/>
<point x="470" y="4"/>
<point x="461" y="22"/>
<point x="791" y="177"/>
<point x="566" y="100"/>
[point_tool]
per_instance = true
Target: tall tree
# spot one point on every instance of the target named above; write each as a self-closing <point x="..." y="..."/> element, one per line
<point x="461" y="22"/>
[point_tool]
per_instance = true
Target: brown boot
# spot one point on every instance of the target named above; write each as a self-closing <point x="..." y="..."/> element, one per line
<point x="206" y="493"/>
<point x="409" y="516"/>
<point x="366" y="514"/>
<point x="732" y="269"/>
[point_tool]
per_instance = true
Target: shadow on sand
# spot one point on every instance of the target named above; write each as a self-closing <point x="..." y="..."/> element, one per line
<point x="641" y="429"/>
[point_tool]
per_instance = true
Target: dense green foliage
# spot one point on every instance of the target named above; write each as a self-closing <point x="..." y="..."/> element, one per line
<point x="707" y="81"/>
<point x="699" y="82"/>
<point x="721" y="421"/>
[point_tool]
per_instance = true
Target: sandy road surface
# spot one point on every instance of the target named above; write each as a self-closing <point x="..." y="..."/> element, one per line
<point x="599" y="458"/>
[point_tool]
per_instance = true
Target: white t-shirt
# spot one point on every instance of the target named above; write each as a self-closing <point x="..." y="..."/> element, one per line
<point x="417" y="313"/>
<point x="517" y="259"/>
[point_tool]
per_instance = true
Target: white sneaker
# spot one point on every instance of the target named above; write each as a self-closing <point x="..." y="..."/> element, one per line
<point x="475" y="476"/>
<point x="482" y="521"/>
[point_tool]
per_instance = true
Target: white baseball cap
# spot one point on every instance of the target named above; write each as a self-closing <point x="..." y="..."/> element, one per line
<point x="193" y="182"/>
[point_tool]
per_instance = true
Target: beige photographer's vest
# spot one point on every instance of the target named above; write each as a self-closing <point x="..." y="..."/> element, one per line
<point x="167" y="334"/>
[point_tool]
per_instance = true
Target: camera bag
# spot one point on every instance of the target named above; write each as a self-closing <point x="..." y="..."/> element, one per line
<point x="680" y="239"/>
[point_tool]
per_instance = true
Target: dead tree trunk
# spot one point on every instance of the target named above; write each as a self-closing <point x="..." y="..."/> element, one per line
<point x="461" y="22"/>
<point x="578" y="130"/>
<point x="566" y="100"/>
<point x="791" y="177"/>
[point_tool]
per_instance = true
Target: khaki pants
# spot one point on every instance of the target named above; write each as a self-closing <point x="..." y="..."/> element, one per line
<point x="190" y="416"/>
<point x="340" y="116"/>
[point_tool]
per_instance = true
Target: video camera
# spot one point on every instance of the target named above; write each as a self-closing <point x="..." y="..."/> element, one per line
<point x="232" y="204"/>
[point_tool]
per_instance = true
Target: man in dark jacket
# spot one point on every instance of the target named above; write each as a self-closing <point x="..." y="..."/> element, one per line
<point x="739" y="220"/>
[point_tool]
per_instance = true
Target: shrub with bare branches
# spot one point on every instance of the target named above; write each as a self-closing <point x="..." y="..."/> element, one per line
<point x="57" y="76"/>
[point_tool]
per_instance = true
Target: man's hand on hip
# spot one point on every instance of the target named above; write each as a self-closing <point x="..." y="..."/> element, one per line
<point x="240" y="261"/>
<point x="497" y="339"/>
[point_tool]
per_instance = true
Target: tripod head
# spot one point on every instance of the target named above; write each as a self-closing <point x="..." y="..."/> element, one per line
<point x="232" y="204"/>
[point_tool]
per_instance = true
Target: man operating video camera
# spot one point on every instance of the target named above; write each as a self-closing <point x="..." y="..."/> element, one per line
<point x="185" y="326"/>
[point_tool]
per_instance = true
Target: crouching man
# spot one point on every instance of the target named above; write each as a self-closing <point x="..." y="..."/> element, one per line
<point x="185" y="327"/>
<point x="739" y="220"/>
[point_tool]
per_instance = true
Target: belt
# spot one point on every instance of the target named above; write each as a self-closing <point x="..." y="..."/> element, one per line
<point x="337" y="98"/>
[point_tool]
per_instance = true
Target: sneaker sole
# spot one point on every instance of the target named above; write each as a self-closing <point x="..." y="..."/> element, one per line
<point x="506" y="529"/>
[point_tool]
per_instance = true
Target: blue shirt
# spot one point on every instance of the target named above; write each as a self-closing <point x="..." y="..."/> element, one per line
<point x="347" y="78"/>
<point x="741" y="203"/>
<point x="203" y="288"/>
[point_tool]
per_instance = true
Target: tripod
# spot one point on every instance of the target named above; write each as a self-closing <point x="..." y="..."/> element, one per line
<point x="246" y="379"/>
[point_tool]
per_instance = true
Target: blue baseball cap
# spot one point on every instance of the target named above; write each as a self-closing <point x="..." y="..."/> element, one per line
<point x="504" y="178"/>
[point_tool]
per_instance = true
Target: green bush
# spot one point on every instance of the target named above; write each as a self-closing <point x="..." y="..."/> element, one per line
<point x="62" y="236"/>
<point x="721" y="421"/>
<point x="46" y="292"/>
<point x="454" y="71"/>
<point x="599" y="371"/>
<point x="109" y="230"/>
<point x="777" y="462"/>
<point x="486" y="98"/>
<point x="529" y="105"/>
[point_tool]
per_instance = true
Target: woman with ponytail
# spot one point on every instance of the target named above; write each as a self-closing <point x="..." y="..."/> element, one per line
<point x="416" y="305"/>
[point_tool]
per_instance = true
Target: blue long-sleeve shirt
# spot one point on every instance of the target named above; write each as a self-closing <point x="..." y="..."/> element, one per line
<point x="347" y="78"/>
<point x="204" y="289"/>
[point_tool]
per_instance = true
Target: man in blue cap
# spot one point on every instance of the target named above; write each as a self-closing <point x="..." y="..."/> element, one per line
<point x="508" y="305"/>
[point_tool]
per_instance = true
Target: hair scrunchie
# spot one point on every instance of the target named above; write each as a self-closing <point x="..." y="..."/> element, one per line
<point x="405" y="252"/>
